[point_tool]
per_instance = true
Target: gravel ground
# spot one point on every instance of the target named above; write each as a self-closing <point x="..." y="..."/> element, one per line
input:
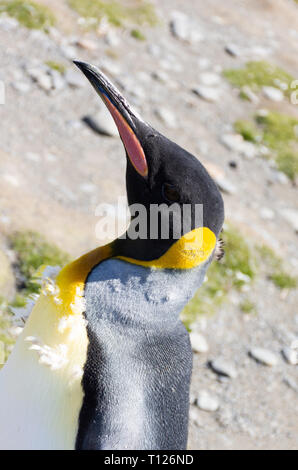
<point x="55" y="171"/>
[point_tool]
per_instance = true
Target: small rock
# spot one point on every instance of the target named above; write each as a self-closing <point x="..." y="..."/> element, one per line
<point x="21" y="87"/>
<point x="68" y="51"/>
<point x="167" y="117"/>
<point x="7" y="23"/>
<point x="58" y="81"/>
<point x="236" y="143"/>
<point x="112" y="39"/>
<point x="87" y="44"/>
<point x="281" y="178"/>
<point x="222" y="367"/>
<point x="33" y="157"/>
<point x="75" y="79"/>
<point x="291" y="383"/>
<point x="160" y="76"/>
<point x="233" y="50"/>
<point x="291" y="216"/>
<point x="210" y="79"/>
<point x="194" y="416"/>
<point x="206" y="402"/>
<point x="267" y="214"/>
<point x="179" y="25"/>
<point x="290" y="355"/>
<point x="250" y="95"/>
<point x="198" y="343"/>
<point x="45" y="82"/>
<point x="41" y="77"/>
<point x="233" y="164"/>
<point x="273" y="94"/>
<point x="226" y="186"/>
<point x="87" y="188"/>
<point x="260" y="51"/>
<point x="102" y="123"/>
<point x="204" y="63"/>
<point x="154" y="50"/>
<point x="207" y="93"/>
<point x="264" y="356"/>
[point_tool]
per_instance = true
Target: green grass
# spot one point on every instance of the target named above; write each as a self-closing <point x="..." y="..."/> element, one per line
<point x="6" y="341"/>
<point x="30" y="14"/>
<point x="32" y="251"/>
<point x="247" y="307"/>
<point x="58" y="66"/>
<point x="275" y="268"/>
<point x="257" y="74"/>
<point x="241" y="264"/>
<point x="118" y="13"/>
<point x="137" y="34"/>
<point x="278" y="132"/>
<point x="223" y="276"/>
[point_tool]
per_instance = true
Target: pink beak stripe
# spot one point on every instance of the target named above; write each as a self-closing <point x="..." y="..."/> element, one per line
<point x="130" y="141"/>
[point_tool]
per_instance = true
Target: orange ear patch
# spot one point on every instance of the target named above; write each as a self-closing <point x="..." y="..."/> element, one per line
<point x="131" y="143"/>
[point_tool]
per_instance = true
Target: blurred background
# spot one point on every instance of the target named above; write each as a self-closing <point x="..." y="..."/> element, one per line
<point x="218" y="78"/>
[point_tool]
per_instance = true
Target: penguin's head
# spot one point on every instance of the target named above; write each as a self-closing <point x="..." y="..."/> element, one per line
<point x="159" y="172"/>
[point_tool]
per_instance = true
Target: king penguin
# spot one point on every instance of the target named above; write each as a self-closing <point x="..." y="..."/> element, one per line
<point x="104" y="361"/>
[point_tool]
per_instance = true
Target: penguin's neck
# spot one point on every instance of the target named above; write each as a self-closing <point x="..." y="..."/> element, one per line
<point x="139" y="361"/>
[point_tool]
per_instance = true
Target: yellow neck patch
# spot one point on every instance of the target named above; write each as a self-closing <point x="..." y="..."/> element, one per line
<point x="188" y="252"/>
<point x="71" y="280"/>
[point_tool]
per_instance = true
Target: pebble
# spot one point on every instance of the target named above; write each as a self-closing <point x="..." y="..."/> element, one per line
<point x="21" y="87"/>
<point x="264" y="356"/>
<point x="207" y="93"/>
<point x="236" y="143"/>
<point x="87" y="44"/>
<point x="87" y="188"/>
<point x="291" y="383"/>
<point x="210" y="79"/>
<point x="7" y="23"/>
<point x="204" y="63"/>
<point x="222" y="367"/>
<point x="198" y="343"/>
<point x="251" y="96"/>
<point x="194" y="416"/>
<point x="281" y="178"/>
<point x="160" y="76"/>
<point x="206" y="402"/>
<point x="179" y="25"/>
<point x="75" y="79"/>
<point x="68" y="51"/>
<point x="33" y="157"/>
<point x="267" y="214"/>
<point x="291" y="216"/>
<point x="290" y="355"/>
<point x="226" y="186"/>
<point x="167" y="117"/>
<point x="112" y="39"/>
<point x="273" y="94"/>
<point x="45" y="82"/>
<point x="102" y="123"/>
<point x="233" y="50"/>
<point x="183" y="29"/>
<point x="58" y="81"/>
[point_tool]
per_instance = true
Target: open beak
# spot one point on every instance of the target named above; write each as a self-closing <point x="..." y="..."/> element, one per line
<point x="122" y="114"/>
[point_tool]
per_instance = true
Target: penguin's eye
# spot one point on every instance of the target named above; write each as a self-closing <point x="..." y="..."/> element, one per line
<point x="170" y="193"/>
